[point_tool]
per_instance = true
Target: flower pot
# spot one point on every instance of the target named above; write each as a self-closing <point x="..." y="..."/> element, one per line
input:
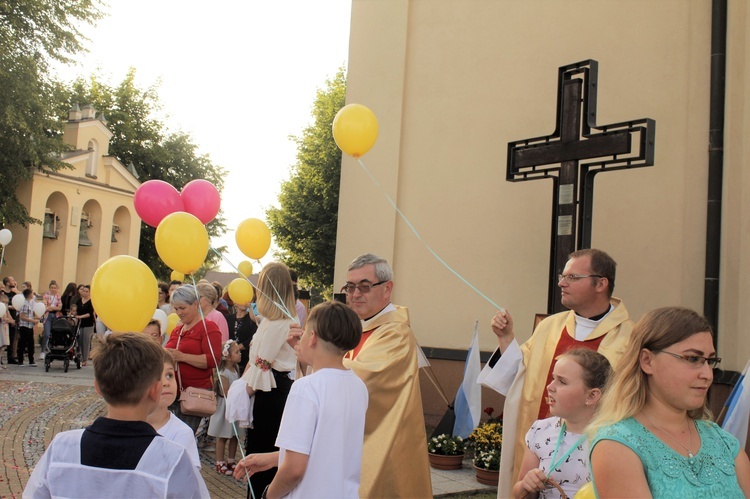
<point x="487" y="477"/>
<point x="443" y="462"/>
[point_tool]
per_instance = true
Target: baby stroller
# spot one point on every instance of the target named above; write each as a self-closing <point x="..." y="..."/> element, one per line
<point x="63" y="343"/>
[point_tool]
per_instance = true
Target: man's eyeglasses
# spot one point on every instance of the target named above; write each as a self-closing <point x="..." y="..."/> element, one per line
<point x="363" y="288"/>
<point x="571" y="278"/>
<point x="695" y="361"/>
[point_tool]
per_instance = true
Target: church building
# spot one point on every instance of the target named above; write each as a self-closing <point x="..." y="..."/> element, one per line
<point x="455" y="83"/>
<point x="87" y="211"/>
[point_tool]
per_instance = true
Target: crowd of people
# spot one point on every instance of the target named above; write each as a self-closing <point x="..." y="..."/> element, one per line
<point x="18" y="323"/>
<point x="329" y="405"/>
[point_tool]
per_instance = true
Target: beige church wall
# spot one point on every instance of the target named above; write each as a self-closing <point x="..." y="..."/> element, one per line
<point x="735" y="286"/>
<point x="385" y="68"/>
<point x="116" y="181"/>
<point x="40" y="260"/>
<point x="452" y="82"/>
<point x="80" y="133"/>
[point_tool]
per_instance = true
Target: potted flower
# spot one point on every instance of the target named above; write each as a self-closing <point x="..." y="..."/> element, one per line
<point x="446" y="452"/>
<point x="487" y="441"/>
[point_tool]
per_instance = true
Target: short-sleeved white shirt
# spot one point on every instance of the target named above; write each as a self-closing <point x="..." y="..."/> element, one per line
<point x="324" y="417"/>
<point x="177" y="431"/>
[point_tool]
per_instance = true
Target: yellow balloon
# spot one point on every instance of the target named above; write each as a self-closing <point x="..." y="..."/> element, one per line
<point x="355" y="129"/>
<point x="182" y="242"/>
<point x="245" y="268"/>
<point x="253" y="238"/>
<point x="240" y="291"/>
<point x="124" y="294"/>
<point x="586" y="492"/>
<point x="172" y="320"/>
<point x="177" y="276"/>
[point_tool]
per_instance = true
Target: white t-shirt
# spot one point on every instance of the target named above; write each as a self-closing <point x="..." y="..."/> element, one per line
<point x="324" y="417"/>
<point x="164" y="470"/>
<point x="177" y="431"/>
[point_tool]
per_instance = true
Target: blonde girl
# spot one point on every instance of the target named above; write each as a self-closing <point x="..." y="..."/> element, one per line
<point x="270" y="361"/>
<point x="219" y="427"/>
<point x="556" y="446"/>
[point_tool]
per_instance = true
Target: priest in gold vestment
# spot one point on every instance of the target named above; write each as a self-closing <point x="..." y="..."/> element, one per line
<point x="596" y="320"/>
<point x="394" y="458"/>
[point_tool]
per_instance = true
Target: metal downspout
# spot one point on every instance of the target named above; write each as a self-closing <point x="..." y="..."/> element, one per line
<point x="715" y="163"/>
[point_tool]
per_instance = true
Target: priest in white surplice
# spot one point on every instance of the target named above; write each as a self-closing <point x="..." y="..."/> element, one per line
<point x="596" y="320"/>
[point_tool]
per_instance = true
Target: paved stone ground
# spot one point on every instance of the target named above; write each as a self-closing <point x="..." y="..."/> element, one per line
<point x="36" y="405"/>
<point x="32" y="413"/>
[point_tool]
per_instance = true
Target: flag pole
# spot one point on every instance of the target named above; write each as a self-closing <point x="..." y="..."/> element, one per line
<point x="431" y="377"/>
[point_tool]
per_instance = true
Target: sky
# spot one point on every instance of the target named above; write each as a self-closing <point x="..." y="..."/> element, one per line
<point x="239" y="76"/>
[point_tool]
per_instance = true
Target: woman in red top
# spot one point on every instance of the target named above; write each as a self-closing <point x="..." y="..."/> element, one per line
<point x="196" y="349"/>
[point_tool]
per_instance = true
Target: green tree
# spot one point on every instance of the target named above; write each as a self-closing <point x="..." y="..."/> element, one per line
<point x="304" y="226"/>
<point x="141" y="139"/>
<point x="33" y="33"/>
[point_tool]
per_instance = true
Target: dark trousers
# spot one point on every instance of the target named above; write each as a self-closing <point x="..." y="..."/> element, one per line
<point x="267" y="411"/>
<point x="13" y="342"/>
<point x="26" y="342"/>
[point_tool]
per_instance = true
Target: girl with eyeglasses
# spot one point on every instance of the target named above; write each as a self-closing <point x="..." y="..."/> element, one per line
<point x="653" y="434"/>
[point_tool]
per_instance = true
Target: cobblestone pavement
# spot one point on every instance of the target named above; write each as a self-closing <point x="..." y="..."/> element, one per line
<point x="36" y="405"/>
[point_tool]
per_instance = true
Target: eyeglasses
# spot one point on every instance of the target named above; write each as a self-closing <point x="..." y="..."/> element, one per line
<point x="571" y="278"/>
<point x="363" y="288"/>
<point x="695" y="361"/>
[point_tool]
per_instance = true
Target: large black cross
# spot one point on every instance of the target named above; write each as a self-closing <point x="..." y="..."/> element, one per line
<point x="608" y="146"/>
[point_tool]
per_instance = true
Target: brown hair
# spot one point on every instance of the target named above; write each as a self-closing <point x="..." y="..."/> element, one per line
<point x="167" y="357"/>
<point x="125" y="367"/>
<point x="596" y="367"/>
<point x="337" y="324"/>
<point x="601" y="264"/>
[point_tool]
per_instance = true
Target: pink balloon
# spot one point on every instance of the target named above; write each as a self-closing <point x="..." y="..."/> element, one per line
<point x="155" y="199"/>
<point x="201" y="199"/>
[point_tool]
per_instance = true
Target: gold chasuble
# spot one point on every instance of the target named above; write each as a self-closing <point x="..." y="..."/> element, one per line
<point x="524" y="399"/>
<point x="394" y="457"/>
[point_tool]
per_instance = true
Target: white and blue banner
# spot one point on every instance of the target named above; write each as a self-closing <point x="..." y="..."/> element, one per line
<point x="468" y="403"/>
<point x="738" y="412"/>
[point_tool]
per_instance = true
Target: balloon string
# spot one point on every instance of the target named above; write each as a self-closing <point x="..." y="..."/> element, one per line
<point x="2" y="258"/>
<point x="416" y="233"/>
<point x="218" y="376"/>
<point x="280" y="304"/>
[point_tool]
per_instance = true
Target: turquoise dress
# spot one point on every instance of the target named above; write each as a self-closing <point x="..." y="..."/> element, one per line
<point x="710" y="473"/>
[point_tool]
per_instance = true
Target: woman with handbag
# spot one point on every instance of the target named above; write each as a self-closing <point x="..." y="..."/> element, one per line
<point x="271" y="360"/>
<point x="196" y="349"/>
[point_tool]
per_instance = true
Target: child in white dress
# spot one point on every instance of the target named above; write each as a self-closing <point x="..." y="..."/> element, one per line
<point x="219" y="427"/>
<point x="556" y="446"/>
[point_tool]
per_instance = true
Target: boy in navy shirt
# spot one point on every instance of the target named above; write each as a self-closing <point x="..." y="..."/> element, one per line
<point x="119" y="455"/>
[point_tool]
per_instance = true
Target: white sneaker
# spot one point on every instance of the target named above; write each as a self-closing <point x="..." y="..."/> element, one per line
<point x="41" y="356"/>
